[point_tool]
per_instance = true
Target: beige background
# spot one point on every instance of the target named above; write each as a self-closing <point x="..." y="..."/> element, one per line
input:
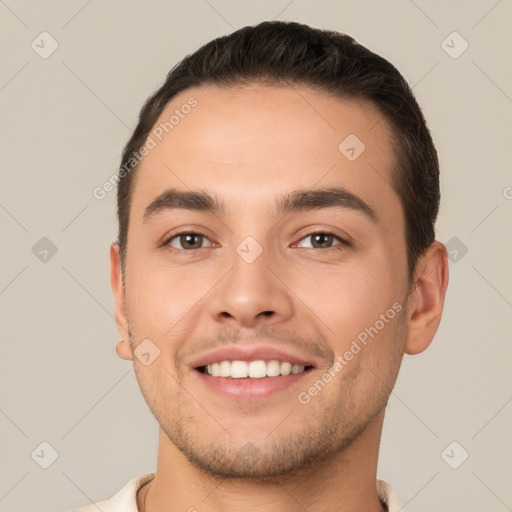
<point x="64" y="120"/>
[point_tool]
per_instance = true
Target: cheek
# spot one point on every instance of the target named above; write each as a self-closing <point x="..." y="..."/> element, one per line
<point x="159" y="387"/>
<point x="360" y="305"/>
<point x="346" y="298"/>
<point x="164" y="305"/>
<point x="159" y="295"/>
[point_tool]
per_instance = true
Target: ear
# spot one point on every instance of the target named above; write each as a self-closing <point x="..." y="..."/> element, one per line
<point x="123" y="348"/>
<point x="426" y="300"/>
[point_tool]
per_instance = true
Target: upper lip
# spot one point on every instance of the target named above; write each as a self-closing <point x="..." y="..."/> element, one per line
<point x="250" y="353"/>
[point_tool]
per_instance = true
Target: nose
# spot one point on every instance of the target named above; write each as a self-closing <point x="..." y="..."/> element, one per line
<point x="251" y="294"/>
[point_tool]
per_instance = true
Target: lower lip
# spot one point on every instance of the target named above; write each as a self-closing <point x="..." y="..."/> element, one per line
<point x="250" y="389"/>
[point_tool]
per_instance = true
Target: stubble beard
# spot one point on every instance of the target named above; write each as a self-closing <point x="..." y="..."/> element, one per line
<point x="315" y="441"/>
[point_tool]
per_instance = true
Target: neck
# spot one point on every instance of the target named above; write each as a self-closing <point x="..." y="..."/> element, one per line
<point x="345" y="481"/>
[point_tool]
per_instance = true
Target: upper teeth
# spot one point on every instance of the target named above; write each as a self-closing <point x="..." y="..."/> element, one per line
<point x="253" y="369"/>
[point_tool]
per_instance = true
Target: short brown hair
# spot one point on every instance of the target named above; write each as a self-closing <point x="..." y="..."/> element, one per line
<point x="276" y="52"/>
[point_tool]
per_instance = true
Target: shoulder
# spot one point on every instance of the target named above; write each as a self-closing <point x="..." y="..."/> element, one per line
<point x="388" y="496"/>
<point x="125" y="500"/>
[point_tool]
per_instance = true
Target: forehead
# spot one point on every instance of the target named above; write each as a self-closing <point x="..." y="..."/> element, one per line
<point x="254" y="142"/>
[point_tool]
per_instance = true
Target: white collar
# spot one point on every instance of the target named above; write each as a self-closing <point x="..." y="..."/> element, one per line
<point x="125" y="500"/>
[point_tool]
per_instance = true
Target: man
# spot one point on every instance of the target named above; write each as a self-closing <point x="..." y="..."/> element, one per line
<point x="276" y="259"/>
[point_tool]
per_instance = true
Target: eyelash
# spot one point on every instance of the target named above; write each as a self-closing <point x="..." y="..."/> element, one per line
<point x="343" y="243"/>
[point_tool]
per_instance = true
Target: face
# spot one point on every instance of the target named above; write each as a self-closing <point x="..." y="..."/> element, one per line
<point x="286" y="278"/>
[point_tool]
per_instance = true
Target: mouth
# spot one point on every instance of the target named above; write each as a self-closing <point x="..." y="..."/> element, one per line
<point x="250" y="381"/>
<point x="251" y="372"/>
<point x="256" y="369"/>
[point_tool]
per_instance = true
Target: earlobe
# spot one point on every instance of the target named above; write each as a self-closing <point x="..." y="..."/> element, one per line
<point x="124" y="350"/>
<point x="426" y="301"/>
<point x="116" y="282"/>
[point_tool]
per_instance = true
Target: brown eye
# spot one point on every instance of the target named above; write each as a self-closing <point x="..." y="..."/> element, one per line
<point x="323" y="240"/>
<point x="187" y="241"/>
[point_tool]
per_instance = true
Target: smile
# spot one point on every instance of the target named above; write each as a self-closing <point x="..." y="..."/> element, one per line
<point x="257" y="369"/>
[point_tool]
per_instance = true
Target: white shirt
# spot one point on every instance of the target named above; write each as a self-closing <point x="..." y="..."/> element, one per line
<point x="126" y="499"/>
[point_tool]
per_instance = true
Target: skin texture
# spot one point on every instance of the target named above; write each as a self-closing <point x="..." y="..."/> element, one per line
<point x="249" y="145"/>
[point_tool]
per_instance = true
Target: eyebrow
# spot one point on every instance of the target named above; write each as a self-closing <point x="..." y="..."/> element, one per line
<point x="296" y="201"/>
